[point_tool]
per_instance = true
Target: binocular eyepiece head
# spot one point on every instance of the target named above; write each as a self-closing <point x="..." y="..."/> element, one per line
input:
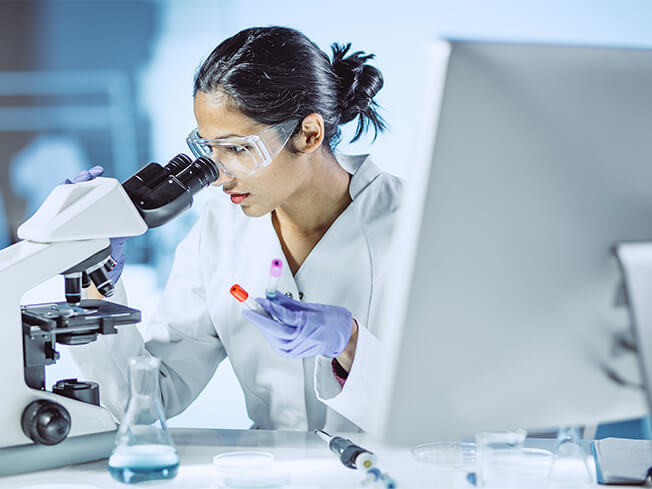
<point x="160" y="193"/>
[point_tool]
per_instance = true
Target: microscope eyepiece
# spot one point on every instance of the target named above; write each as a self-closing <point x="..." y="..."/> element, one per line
<point x="162" y="193"/>
<point x="199" y="174"/>
<point x="177" y="164"/>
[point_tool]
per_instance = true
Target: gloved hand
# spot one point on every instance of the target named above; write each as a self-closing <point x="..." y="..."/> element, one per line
<point x="117" y="244"/>
<point x="305" y="330"/>
<point x="86" y="175"/>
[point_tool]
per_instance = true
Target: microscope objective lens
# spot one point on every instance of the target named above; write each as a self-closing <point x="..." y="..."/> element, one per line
<point x="73" y="287"/>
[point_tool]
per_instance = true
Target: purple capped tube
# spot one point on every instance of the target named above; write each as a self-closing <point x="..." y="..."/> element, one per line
<point x="274" y="274"/>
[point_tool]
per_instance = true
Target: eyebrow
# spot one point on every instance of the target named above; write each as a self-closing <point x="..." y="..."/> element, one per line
<point x="221" y="137"/>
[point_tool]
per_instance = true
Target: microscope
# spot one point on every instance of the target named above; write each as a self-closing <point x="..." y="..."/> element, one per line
<point x="69" y="235"/>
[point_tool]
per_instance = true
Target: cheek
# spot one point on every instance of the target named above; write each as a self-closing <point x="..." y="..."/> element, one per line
<point x="269" y="194"/>
<point x="276" y="184"/>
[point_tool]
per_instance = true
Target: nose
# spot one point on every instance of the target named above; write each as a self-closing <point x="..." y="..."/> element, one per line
<point x="222" y="179"/>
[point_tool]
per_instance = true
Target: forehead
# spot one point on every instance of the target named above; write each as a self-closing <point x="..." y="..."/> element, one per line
<point x="218" y="118"/>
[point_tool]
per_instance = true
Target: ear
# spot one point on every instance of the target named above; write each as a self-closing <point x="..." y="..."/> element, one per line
<point x="311" y="134"/>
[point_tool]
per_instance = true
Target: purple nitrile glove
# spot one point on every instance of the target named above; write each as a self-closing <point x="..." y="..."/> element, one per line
<point x="86" y="175"/>
<point x="305" y="330"/>
<point x="117" y="244"/>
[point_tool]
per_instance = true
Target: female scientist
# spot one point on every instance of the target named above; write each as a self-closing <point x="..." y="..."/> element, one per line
<point x="268" y="103"/>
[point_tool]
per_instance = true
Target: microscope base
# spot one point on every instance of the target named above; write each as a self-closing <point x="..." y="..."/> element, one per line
<point x="73" y="450"/>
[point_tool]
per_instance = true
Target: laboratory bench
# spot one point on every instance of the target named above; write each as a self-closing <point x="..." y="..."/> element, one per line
<point x="306" y="460"/>
<point x="300" y="456"/>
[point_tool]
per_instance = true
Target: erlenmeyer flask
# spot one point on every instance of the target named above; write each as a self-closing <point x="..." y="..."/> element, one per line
<point x="143" y="447"/>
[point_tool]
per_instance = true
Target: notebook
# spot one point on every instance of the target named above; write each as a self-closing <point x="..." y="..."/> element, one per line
<point x="622" y="460"/>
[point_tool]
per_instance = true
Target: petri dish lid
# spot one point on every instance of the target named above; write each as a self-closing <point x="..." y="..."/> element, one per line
<point x="249" y="470"/>
<point x="243" y="462"/>
<point x="446" y="454"/>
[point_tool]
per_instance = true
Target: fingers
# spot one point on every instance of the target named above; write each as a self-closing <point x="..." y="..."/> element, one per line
<point x="287" y="316"/>
<point x="118" y="241"/>
<point x="264" y="327"/>
<point x="285" y="301"/>
<point x="303" y="352"/>
<point x="269" y="327"/>
<point x="86" y="175"/>
<point x="82" y="176"/>
<point x="118" y="247"/>
<point x="285" y="340"/>
<point x="96" y="171"/>
<point x="114" y="274"/>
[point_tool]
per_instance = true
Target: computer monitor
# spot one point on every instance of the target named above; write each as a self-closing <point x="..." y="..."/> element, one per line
<point x="534" y="160"/>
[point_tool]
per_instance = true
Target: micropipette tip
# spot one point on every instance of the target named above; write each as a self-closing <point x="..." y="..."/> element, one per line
<point x="322" y="435"/>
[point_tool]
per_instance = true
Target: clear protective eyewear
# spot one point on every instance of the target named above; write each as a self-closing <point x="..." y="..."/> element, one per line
<point x="243" y="156"/>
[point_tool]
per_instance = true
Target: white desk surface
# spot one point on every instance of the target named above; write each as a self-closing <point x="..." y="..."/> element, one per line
<point x="308" y="462"/>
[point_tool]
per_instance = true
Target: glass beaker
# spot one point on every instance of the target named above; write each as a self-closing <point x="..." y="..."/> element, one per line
<point x="143" y="448"/>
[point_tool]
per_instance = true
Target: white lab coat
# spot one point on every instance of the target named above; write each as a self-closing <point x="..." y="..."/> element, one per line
<point x="198" y="323"/>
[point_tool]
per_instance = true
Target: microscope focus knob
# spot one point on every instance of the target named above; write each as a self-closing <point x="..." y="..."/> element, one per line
<point x="46" y="422"/>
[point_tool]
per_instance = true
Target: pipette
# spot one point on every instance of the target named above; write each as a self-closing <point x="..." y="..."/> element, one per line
<point x="350" y="454"/>
<point x="274" y="274"/>
<point x="242" y="296"/>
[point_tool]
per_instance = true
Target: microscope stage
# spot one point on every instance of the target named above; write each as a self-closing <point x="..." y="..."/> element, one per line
<point x="73" y="324"/>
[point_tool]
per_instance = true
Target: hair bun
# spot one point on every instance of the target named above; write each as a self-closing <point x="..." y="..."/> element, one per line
<point x="358" y="83"/>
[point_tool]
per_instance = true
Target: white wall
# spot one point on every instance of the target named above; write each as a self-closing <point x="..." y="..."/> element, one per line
<point x="395" y="31"/>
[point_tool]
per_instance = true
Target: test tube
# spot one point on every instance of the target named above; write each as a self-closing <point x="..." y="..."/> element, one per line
<point x="274" y="274"/>
<point x="242" y="296"/>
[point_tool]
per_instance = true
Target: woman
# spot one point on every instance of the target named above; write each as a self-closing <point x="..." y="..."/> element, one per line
<point x="268" y="104"/>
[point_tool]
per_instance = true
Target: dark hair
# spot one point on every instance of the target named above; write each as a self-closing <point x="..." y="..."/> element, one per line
<point x="275" y="74"/>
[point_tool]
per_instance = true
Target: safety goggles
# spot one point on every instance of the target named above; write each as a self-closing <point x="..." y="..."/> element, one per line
<point x="243" y="156"/>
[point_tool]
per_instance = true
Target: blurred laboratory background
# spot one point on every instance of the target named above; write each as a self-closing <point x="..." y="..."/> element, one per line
<point x="109" y="82"/>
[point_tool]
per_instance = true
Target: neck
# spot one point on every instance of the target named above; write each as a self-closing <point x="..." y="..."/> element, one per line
<point x="321" y="198"/>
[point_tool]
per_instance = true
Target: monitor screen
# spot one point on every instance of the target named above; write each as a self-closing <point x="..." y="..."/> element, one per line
<point x="533" y="161"/>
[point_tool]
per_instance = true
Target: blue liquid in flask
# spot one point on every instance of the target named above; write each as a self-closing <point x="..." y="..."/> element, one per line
<point x="144" y="450"/>
<point x="140" y="463"/>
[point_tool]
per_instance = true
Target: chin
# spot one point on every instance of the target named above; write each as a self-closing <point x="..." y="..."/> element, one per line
<point x="254" y="210"/>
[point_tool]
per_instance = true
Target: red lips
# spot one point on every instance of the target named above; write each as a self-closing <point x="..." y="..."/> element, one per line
<point x="238" y="198"/>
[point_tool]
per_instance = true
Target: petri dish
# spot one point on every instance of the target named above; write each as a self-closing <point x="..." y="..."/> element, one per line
<point x="249" y="469"/>
<point x="446" y="454"/>
<point x="244" y="462"/>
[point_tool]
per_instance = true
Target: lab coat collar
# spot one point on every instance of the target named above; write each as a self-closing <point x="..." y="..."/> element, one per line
<point x="362" y="168"/>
